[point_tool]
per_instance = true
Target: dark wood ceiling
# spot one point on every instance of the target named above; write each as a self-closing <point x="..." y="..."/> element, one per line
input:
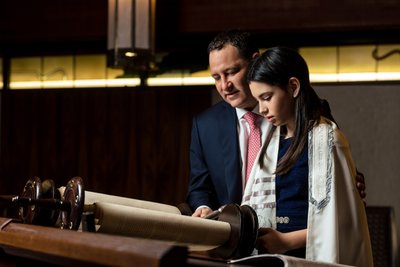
<point x="184" y="27"/>
<point x="46" y="26"/>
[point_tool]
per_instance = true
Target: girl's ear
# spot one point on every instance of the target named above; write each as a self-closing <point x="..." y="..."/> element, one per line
<point x="255" y="55"/>
<point x="294" y="85"/>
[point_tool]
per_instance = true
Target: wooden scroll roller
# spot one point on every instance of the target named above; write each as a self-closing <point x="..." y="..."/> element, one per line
<point x="244" y="230"/>
<point x="42" y="204"/>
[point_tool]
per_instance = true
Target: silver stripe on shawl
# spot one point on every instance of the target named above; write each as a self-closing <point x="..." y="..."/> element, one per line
<point x="259" y="192"/>
<point x="263" y="180"/>
<point x="320" y="145"/>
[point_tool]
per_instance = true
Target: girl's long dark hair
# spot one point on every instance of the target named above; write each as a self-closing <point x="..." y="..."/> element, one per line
<point x="275" y="67"/>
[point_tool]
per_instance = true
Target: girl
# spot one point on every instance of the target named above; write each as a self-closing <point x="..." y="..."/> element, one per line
<point x="307" y="202"/>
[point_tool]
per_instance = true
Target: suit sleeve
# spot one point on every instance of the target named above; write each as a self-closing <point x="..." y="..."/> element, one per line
<point x="201" y="190"/>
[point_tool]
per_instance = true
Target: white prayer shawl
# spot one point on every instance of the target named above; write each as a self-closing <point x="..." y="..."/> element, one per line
<point x="337" y="223"/>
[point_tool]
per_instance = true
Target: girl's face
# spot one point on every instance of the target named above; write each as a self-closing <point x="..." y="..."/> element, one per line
<point x="276" y="104"/>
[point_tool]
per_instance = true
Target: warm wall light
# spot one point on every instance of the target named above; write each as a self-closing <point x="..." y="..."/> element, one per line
<point x="130" y="39"/>
<point x="352" y="63"/>
<point x="354" y="77"/>
<point x="188" y="81"/>
<point x="94" y="83"/>
<point x="326" y="64"/>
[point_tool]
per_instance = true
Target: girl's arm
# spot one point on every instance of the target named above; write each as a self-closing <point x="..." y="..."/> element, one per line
<point x="273" y="241"/>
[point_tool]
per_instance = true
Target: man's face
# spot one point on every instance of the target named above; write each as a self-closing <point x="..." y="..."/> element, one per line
<point x="229" y="71"/>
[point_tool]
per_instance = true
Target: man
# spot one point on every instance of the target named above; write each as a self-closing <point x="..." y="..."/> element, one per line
<point x="219" y="134"/>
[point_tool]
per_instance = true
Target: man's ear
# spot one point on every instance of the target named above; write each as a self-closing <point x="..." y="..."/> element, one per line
<point x="294" y="85"/>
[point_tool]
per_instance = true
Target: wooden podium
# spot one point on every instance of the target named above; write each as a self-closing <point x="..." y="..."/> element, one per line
<point x="56" y="247"/>
<point x="29" y="245"/>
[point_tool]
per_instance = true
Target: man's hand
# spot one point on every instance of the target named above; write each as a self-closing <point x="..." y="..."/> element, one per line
<point x="201" y="212"/>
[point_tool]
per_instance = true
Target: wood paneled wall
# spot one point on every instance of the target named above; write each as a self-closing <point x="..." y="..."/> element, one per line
<point x="128" y="142"/>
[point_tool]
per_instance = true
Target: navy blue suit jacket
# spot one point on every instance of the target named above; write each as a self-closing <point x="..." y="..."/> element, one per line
<point x="215" y="171"/>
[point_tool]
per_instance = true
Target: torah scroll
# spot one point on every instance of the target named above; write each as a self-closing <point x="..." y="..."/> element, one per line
<point x="146" y="219"/>
<point x="196" y="233"/>
<point x="94" y="197"/>
<point x="232" y="234"/>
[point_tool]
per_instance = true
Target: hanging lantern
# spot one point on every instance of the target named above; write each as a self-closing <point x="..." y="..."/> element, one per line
<point x="130" y="40"/>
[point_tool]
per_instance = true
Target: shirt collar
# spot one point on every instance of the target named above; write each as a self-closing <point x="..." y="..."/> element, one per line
<point x="240" y="112"/>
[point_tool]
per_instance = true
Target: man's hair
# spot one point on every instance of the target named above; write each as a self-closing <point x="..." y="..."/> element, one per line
<point x="242" y="40"/>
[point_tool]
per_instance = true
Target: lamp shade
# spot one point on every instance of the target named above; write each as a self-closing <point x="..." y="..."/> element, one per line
<point x="130" y="41"/>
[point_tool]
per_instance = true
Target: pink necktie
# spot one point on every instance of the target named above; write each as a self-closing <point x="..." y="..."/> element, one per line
<point x="254" y="142"/>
